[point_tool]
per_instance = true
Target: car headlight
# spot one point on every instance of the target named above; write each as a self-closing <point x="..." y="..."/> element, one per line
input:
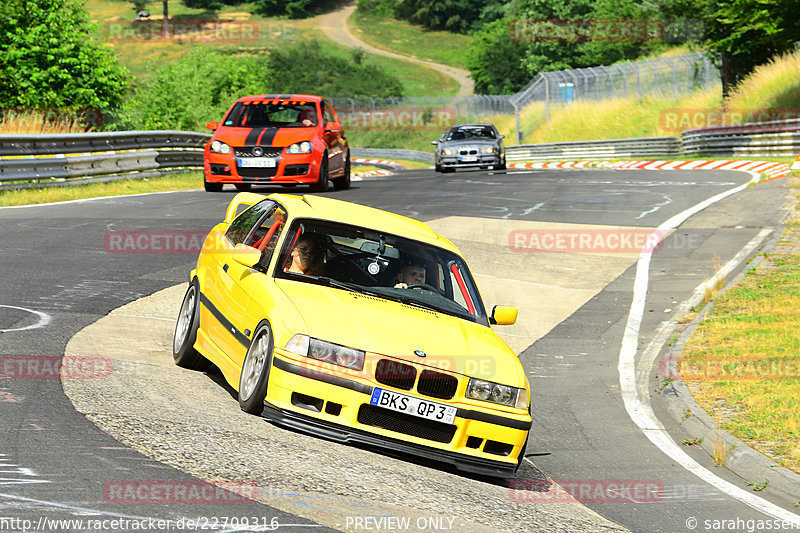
<point x="219" y="147"/>
<point x="488" y="150"/>
<point x="326" y="351"/>
<point x="448" y="151"/>
<point x="299" y="148"/>
<point x="479" y="389"/>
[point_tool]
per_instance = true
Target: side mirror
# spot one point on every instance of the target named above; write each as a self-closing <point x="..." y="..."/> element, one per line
<point x="502" y="137"/>
<point x="246" y="255"/>
<point x="213" y="125"/>
<point x="435" y="143"/>
<point x="332" y="126"/>
<point x="503" y="315"/>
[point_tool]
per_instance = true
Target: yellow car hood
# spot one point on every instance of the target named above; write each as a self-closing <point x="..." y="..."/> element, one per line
<point x="391" y="328"/>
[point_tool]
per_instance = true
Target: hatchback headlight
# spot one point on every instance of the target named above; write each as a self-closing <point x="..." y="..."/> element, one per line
<point x="299" y="148"/>
<point x="326" y="351"/>
<point x="448" y="151"/>
<point x="219" y="147"/>
<point x="479" y="389"/>
<point x="488" y="150"/>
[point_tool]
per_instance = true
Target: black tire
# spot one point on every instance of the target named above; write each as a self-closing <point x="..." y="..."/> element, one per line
<point x="254" y="376"/>
<point x="242" y="186"/>
<point x="322" y="183"/>
<point x="343" y="183"/>
<point x="185" y="335"/>
<point x="437" y="167"/>
<point x="212" y="187"/>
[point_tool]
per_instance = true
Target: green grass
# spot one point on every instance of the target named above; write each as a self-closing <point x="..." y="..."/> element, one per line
<point x="412" y="40"/>
<point x="260" y="35"/>
<point x="743" y="361"/>
<point x="172" y="182"/>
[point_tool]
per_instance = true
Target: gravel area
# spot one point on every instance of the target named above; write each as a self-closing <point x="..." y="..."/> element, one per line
<point x="191" y="421"/>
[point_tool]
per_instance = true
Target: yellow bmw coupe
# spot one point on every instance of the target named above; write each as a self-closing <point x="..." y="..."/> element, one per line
<point x="357" y="325"/>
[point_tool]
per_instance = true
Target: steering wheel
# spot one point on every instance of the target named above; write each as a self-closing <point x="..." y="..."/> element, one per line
<point x="423" y="286"/>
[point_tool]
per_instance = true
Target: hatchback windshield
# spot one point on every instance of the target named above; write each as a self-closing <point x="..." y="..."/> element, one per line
<point x="380" y="264"/>
<point x="262" y="115"/>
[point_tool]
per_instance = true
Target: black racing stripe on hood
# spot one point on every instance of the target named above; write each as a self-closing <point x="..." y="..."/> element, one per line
<point x="252" y="137"/>
<point x="269" y="134"/>
<point x="270" y="96"/>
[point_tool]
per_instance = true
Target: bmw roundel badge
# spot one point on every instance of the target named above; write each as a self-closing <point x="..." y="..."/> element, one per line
<point x="419" y="353"/>
<point x="258" y="151"/>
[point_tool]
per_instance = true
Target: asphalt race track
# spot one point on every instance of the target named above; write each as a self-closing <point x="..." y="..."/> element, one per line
<point x="60" y="276"/>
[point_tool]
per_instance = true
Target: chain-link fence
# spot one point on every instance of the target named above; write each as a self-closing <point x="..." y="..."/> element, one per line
<point x="664" y="76"/>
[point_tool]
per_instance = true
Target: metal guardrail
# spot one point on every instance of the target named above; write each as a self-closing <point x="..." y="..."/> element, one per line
<point x="89" y="157"/>
<point x="33" y="160"/>
<point x="604" y="149"/>
<point x="391" y="153"/>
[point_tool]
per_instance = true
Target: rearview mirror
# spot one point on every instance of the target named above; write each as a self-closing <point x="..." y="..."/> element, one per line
<point x="246" y="255"/>
<point x="213" y="125"/>
<point x="503" y="315"/>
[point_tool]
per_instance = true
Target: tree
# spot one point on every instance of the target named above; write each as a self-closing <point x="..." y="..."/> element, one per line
<point x="48" y="59"/>
<point x="747" y="33"/>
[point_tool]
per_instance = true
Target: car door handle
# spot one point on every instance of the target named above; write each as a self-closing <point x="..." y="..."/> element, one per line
<point x="225" y="267"/>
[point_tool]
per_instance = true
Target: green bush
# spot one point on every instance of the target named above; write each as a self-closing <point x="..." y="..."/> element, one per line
<point x="48" y="60"/>
<point x="197" y="88"/>
<point x="202" y="85"/>
<point x="305" y="67"/>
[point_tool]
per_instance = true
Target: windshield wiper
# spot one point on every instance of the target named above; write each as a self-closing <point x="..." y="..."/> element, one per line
<point x="330" y="282"/>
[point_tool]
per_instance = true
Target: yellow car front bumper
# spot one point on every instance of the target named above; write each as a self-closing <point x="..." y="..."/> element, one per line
<point x="336" y="405"/>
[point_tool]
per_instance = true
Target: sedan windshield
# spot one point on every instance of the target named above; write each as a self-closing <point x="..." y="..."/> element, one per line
<point x="470" y="132"/>
<point x="380" y="264"/>
<point x="292" y="114"/>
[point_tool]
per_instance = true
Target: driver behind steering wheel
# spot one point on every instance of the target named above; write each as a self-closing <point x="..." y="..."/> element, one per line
<point x="411" y="273"/>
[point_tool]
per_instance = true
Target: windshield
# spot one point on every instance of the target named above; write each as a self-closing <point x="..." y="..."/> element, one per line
<point x="380" y="264"/>
<point x="260" y="115"/>
<point x="470" y="132"/>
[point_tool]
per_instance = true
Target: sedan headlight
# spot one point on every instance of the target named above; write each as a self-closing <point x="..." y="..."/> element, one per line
<point x="479" y="389"/>
<point x="219" y="147"/>
<point x="299" y="148"/>
<point x="488" y="150"/>
<point x="326" y="351"/>
<point x="448" y="151"/>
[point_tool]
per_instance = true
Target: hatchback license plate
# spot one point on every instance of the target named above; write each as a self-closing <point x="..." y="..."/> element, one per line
<point x="403" y="403"/>
<point x="469" y="159"/>
<point x="257" y="162"/>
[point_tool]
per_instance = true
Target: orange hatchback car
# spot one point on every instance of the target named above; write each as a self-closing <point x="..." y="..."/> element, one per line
<point x="283" y="139"/>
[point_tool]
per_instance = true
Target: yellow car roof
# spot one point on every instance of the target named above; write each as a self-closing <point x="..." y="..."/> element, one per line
<point x="321" y="207"/>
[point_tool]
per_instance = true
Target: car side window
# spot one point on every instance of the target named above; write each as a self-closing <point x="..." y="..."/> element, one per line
<point x="266" y="234"/>
<point x="241" y="226"/>
<point x="327" y="114"/>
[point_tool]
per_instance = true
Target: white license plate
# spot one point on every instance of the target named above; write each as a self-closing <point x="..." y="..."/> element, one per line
<point x="403" y="403"/>
<point x="258" y="162"/>
<point x="469" y="158"/>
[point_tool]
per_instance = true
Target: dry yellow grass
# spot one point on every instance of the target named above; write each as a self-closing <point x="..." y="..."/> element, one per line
<point x="35" y="121"/>
<point x="774" y="87"/>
